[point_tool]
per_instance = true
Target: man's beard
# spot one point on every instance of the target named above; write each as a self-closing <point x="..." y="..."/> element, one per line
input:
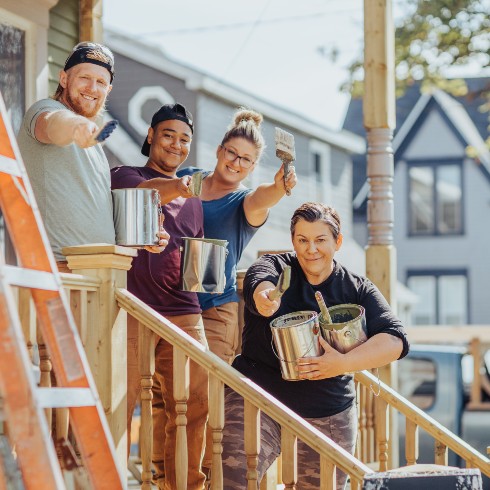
<point x="79" y="108"/>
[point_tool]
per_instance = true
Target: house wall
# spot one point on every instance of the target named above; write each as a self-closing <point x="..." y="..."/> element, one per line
<point x="139" y="91"/>
<point x="63" y="34"/>
<point x="435" y="139"/>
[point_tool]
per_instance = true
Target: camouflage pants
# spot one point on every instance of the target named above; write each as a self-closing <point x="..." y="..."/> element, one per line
<point x="341" y="428"/>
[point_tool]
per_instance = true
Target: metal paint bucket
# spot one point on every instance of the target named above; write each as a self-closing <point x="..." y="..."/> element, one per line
<point x="136" y="215"/>
<point x="295" y="335"/>
<point x="202" y="265"/>
<point x="348" y="328"/>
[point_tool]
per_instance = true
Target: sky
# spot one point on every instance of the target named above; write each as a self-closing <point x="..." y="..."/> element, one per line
<point x="291" y="53"/>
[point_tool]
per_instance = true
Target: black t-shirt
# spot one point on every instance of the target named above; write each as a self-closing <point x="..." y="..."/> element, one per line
<point x="310" y="399"/>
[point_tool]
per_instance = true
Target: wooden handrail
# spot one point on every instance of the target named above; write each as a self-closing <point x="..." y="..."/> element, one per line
<point x="431" y="426"/>
<point x="244" y="386"/>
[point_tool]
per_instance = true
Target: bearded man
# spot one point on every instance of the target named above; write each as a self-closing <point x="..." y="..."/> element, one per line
<point x="67" y="167"/>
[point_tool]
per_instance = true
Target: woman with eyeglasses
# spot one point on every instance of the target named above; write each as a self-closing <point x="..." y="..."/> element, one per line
<point x="234" y="213"/>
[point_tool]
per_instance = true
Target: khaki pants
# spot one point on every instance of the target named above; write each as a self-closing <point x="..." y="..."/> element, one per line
<point x="164" y="428"/>
<point x="221" y="327"/>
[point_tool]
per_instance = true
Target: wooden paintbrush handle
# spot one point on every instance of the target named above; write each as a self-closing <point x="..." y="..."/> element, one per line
<point x="286" y="173"/>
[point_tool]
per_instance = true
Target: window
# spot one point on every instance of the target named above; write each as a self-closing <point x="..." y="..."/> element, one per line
<point x="443" y="298"/>
<point x="317" y="164"/>
<point x="12" y="72"/>
<point x="12" y="87"/>
<point x="435" y="198"/>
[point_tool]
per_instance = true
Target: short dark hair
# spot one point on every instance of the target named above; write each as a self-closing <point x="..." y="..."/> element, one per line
<point x="316" y="211"/>
<point x="168" y="112"/>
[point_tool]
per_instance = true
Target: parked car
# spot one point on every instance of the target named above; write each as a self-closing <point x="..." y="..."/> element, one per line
<point x="438" y="380"/>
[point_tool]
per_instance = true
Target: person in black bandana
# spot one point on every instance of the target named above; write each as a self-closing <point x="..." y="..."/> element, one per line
<point x="67" y="167"/>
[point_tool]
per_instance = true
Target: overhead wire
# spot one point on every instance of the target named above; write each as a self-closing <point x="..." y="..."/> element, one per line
<point x="237" y="25"/>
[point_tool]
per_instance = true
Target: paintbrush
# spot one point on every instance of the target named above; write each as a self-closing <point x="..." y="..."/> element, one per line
<point x="106" y="130"/>
<point x="285" y="152"/>
<point x="196" y="184"/>
<point x="323" y="307"/>
<point x="282" y="284"/>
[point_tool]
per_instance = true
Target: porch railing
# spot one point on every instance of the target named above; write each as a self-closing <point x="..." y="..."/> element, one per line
<point x="100" y="301"/>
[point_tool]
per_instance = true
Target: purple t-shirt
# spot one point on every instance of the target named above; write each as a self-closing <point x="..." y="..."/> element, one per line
<point x="155" y="278"/>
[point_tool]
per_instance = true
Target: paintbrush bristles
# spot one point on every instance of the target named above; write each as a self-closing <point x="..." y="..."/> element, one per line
<point x="284" y="145"/>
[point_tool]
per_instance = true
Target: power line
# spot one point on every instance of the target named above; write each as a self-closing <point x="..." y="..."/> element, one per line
<point x="237" y="25"/>
<point x="235" y="57"/>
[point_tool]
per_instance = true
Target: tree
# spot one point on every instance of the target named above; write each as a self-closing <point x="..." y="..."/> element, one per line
<point x="431" y="40"/>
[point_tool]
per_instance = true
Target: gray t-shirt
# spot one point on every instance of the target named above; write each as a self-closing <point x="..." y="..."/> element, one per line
<point x="71" y="185"/>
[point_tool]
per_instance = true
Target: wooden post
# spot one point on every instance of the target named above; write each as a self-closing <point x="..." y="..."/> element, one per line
<point x="90" y="23"/>
<point x="379" y="121"/>
<point x="107" y="335"/>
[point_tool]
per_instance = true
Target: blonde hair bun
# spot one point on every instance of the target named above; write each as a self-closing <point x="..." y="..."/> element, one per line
<point x="243" y="115"/>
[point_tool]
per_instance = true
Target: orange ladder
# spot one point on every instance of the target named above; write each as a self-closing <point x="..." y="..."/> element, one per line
<point x="23" y="401"/>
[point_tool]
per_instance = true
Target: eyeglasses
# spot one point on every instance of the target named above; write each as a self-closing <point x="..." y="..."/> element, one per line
<point x="232" y="155"/>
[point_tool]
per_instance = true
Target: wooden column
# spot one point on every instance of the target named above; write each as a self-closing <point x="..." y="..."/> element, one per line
<point x="379" y="121"/>
<point x="107" y="336"/>
<point x="90" y="24"/>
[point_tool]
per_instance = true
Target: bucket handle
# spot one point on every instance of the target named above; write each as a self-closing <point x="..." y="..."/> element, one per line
<point x="284" y="360"/>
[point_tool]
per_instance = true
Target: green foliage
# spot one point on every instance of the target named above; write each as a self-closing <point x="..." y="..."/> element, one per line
<point x="433" y="36"/>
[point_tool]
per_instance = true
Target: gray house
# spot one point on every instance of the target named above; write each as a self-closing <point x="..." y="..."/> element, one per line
<point x="147" y="78"/>
<point x="442" y="202"/>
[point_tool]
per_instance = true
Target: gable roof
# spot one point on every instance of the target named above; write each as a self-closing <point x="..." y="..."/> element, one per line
<point x="200" y="81"/>
<point x="462" y="112"/>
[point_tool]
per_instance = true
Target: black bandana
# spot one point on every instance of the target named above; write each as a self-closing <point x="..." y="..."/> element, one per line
<point x="96" y="54"/>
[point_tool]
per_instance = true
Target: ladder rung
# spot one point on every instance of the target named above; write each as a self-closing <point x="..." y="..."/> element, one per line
<point x="65" y="397"/>
<point x="29" y="278"/>
<point x="9" y="166"/>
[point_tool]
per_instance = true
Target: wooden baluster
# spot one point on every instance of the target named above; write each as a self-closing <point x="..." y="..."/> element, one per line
<point x="355" y="484"/>
<point x="382" y="433"/>
<point x="289" y="445"/>
<point x="441" y="453"/>
<point x="45" y="367"/>
<point x="216" y="422"/>
<point x="27" y="316"/>
<point x="146" y="355"/>
<point x="411" y="442"/>
<point x="62" y="414"/>
<point x="362" y="441"/>
<point x="328" y="474"/>
<point x="181" y="396"/>
<point x="370" y="429"/>
<point x="251" y="418"/>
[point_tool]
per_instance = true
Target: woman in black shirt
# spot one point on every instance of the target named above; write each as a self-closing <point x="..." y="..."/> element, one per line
<point x="325" y="394"/>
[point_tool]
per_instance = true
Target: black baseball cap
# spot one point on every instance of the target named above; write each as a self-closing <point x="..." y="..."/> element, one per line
<point x="89" y="52"/>
<point x="168" y="112"/>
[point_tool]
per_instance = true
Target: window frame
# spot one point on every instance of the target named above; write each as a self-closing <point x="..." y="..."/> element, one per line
<point x="437" y="274"/>
<point x="433" y="165"/>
